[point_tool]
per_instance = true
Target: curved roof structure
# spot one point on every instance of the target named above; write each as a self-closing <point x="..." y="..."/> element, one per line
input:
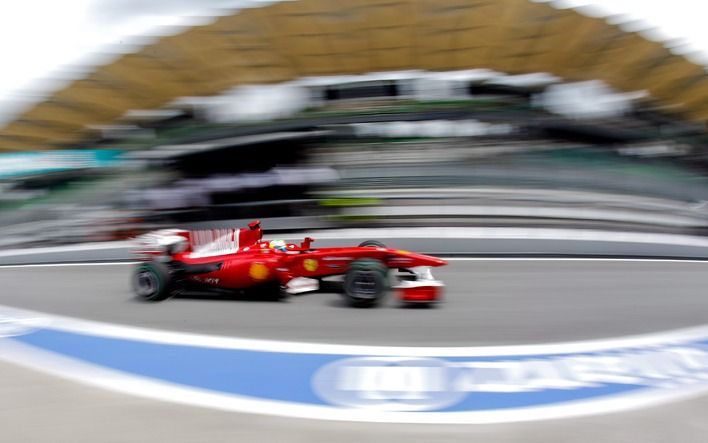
<point x="292" y="39"/>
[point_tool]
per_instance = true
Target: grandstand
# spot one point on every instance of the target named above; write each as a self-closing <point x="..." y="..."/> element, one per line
<point x="287" y="41"/>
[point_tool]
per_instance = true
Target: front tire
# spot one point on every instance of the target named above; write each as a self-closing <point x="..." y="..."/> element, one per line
<point x="275" y="292"/>
<point x="152" y="281"/>
<point x="365" y="283"/>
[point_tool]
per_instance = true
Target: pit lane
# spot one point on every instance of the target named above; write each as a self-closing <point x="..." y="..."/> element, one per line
<point x="488" y="301"/>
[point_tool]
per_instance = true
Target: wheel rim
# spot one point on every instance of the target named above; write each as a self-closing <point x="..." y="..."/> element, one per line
<point x="364" y="285"/>
<point x="146" y="283"/>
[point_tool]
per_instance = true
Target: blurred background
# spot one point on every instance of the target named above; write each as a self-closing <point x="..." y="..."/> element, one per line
<point x="120" y="117"/>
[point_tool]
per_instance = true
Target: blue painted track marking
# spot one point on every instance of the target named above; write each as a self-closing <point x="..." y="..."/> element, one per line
<point x="465" y="387"/>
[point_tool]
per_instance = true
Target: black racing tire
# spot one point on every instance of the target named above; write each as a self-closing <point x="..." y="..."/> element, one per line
<point x="275" y="292"/>
<point x="269" y="291"/>
<point x="365" y="283"/>
<point x="152" y="281"/>
<point x="281" y="294"/>
<point x="375" y="243"/>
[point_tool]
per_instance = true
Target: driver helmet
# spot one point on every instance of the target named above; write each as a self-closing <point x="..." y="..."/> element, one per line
<point x="278" y="245"/>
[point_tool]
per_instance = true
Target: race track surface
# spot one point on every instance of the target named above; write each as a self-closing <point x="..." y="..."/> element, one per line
<point x="488" y="302"/>
<point x="505" y="301"/>
<point x="64" y="412"/>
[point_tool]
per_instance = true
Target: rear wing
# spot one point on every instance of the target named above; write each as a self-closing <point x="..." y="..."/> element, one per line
<point x="198" y="243"/>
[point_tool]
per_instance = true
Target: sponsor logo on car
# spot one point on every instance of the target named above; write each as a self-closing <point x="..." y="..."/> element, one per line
<point x="310" y="264"/>
<point x="258" y="271"/>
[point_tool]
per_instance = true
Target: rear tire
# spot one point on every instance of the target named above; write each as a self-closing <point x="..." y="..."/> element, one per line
<point x="365" y="283"/>
<point x="374" y="243"/>
<point x="152" y="281"/>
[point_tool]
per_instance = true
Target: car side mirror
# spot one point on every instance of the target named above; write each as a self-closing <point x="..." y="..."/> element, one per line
<point x="306" y="243"/>
<point x="254" y="225"/>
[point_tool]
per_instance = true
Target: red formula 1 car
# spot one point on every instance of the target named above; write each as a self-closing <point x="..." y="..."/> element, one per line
<point x="239" y="259"/>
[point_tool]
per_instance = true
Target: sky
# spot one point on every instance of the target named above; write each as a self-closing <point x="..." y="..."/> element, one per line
<point x="44" y="43"/>
<point x="679" y="23"/>
<point x="48" y="39"/>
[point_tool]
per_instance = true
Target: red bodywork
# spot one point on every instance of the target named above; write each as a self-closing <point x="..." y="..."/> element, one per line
<point x="246" y="260"/>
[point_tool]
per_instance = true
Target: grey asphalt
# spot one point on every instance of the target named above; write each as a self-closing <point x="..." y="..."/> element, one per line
<point x="35" y="407"/>
<point x="486" y="302"/>
<point x="484" y="247"/>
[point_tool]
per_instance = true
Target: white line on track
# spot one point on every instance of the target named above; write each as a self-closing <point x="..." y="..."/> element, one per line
<point x="607" y="259"/>
<point x="59" y="265"/>
<point x="482" y="233"/>
<point x="169" y="337"/>
<point x="133" y="384"/>
<point x="455" y="258"/>
<point x="504" y="233"/>
<point x="99" y="246"/>
<point x="81" y="326"/>
<point x="164" y="391"/>
<point x="125" y="383"/>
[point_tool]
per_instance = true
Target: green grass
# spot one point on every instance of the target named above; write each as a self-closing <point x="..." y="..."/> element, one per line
<point x="353" y="201"/>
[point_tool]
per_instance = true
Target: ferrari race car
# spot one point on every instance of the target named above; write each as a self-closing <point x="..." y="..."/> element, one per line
<point x="228" y="260"/>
